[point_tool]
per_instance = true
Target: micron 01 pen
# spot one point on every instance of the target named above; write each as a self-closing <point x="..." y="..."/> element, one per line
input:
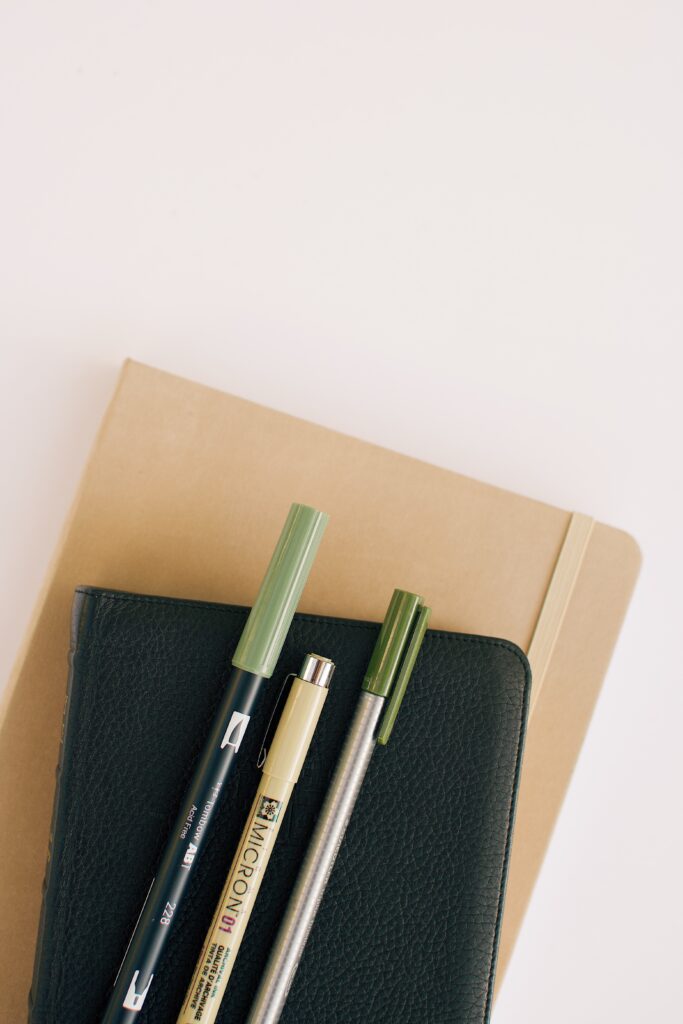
<point x="280" y="774"/>
<point x="253" y="662"/>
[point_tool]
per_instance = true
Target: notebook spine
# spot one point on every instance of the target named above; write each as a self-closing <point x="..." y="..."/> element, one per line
<point x="37" y="1005"/>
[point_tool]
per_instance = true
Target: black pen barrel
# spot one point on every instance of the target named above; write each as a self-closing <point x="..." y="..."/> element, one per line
<point x="184" y="847"/>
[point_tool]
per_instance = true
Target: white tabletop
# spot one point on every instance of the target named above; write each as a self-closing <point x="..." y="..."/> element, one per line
<point x="454" y="229"/>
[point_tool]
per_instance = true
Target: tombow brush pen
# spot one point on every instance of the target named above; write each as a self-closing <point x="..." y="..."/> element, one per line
<point x="280" y="774"/>
<point x="254" y="661"/>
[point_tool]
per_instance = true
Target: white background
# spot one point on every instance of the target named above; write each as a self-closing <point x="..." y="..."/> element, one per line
<point x="454" y="229"/>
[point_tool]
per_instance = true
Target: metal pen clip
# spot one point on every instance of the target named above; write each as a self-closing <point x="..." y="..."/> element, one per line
<point x="263" y="752"/>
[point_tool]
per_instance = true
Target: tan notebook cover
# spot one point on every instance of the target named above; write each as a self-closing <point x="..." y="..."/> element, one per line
<point x="167" y="506"/>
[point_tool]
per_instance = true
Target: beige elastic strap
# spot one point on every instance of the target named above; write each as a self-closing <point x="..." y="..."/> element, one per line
<point x="557" y="599"/>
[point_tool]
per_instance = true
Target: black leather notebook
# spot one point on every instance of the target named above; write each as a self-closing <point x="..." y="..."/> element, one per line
<point x="408" y="927"/>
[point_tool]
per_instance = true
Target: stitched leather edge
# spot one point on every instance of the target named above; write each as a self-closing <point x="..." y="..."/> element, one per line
<point x="121" y="595"/>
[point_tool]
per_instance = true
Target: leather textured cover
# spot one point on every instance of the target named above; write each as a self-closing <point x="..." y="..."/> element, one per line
<point x="408" y="927"/>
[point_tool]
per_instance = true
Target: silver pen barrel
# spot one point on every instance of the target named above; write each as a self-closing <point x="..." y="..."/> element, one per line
<point x="359" y="746"/>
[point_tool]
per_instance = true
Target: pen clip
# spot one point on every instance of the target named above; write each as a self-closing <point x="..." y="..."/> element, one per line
<point x="263" y="752"/>
<point x="398" y="692"/>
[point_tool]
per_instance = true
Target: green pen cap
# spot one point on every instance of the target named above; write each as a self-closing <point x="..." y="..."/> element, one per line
<point x="271" y="616"/>
<point x="405" y="672"/>
<point x="396" y="650"/>
<point x="393" y="636"/>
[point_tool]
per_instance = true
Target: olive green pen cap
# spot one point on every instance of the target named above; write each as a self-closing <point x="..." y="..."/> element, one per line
<point x="395" y="652"/>
<point x="271" y="616"/>
<point x="398" y="692"/>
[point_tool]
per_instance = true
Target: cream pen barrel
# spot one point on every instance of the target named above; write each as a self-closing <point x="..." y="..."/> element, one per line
<point x="280" y="774"/>
<point x="291" y="940"/>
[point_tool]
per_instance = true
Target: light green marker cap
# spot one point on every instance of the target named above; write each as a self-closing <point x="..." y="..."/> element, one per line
<point x="273" y="611"/>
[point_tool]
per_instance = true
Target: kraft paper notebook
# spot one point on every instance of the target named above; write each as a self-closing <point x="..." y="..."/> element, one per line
<point x="408" y="927"/>
<point x="163" y="508"/>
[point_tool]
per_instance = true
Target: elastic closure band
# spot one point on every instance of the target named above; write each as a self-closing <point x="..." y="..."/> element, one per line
<point x="558" y="595"/>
